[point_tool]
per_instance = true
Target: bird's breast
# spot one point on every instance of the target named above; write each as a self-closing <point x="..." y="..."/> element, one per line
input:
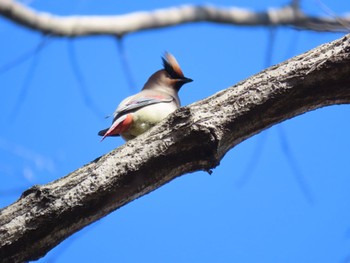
<point x="147" y="117"/>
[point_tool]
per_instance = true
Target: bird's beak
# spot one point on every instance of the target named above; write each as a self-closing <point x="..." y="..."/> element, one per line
<point x="185" y="80"/>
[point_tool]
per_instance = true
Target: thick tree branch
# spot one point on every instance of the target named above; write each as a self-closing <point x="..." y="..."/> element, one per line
<point x="73" y="26"/>
<point x="195" y="138"/>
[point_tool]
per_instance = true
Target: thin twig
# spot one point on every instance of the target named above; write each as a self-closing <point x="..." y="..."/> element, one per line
<point x="83" y="87"/>
<point x="25" y="56"/>
<point x="294" y="165"/>
<point x="126" y="65"/>
<point x="25" y="87"/>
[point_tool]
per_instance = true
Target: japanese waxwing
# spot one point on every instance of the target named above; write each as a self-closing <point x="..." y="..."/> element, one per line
<point x="157" y="99"/>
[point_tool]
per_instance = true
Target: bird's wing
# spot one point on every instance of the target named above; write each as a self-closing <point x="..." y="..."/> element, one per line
<point x="122" y="119"/>
<point x="140" y="102"/>
<point x="120" y="125"/>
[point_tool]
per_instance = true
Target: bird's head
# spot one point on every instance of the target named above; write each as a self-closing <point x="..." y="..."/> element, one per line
<point x="170" y="76"/>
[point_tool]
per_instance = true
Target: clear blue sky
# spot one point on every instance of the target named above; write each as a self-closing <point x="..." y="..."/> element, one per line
<point x="281" y="196"/>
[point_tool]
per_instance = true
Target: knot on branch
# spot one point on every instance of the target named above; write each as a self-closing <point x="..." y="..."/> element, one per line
<point x="40" y="195"/>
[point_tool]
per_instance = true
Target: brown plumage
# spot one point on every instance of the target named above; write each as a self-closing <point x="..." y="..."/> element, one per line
<point x="157" y="99"/>
<point x="172" y="66"/>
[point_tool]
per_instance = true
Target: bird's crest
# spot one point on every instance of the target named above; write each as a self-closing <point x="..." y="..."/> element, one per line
<point x="171" y="66"/>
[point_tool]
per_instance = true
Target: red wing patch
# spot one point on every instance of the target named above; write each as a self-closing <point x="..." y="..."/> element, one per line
<point x="120" y="125"/>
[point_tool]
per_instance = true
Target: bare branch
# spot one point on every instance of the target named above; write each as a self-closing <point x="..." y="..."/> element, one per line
<point x="331" y="13"/>
<point x="73" y="26"/>
<point x="194" y="138"/>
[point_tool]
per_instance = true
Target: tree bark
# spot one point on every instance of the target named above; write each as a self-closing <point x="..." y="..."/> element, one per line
<point x="119" y="25"/>
<point x="194" y="138"/>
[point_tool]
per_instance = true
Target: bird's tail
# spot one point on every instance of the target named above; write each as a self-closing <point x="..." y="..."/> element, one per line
<point x="103" y="132"/>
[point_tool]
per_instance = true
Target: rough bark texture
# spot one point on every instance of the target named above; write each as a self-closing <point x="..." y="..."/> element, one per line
<point x="194" y="138"/>
<point x="73" y="26"/>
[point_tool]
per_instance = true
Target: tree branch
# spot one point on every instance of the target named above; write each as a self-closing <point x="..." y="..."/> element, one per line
<point x="74" y="26"/>
<point x="194" y="138"/>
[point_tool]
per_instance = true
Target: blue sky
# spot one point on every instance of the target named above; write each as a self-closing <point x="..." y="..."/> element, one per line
<point x="281" y="196"/>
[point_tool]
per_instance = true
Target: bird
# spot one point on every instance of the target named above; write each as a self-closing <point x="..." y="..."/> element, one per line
<point x="157" y="99"/>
